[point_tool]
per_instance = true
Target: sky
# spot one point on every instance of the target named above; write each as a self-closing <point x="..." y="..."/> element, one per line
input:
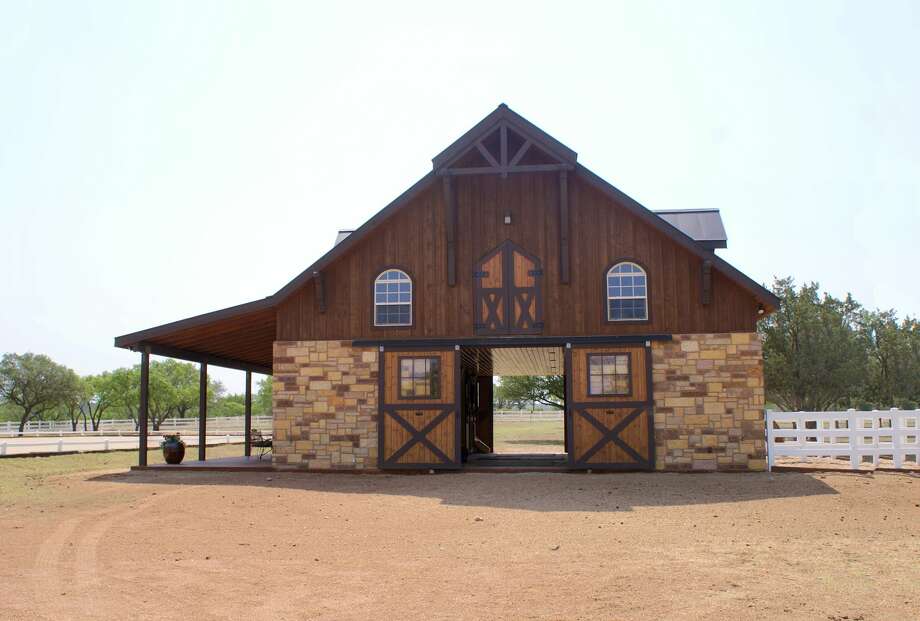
<point x="163" y="159"/>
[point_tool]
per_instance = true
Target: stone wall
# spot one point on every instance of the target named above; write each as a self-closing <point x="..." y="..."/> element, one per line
<point x="708" y="392"/>
<point x="709" y="402"/>
<point x="325" y="405"/>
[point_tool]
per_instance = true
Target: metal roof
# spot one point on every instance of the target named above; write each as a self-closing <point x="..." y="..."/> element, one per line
<point x="702" y="225"/>
<point x="340" y="237"/>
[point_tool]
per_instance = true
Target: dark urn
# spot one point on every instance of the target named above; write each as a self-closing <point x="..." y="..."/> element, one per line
<point x="173" y="449"/>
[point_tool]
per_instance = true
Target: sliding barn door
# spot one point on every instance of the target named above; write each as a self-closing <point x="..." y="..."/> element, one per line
<point x="419" y="409"/>
<point x="609" y="408"/>
<point x="507" y="292"/>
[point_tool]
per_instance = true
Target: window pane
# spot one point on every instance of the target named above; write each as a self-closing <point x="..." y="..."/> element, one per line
<point x="596" y="387"/>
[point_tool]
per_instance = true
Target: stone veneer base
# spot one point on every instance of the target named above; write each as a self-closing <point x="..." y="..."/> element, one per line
<point x="708" y="391"/>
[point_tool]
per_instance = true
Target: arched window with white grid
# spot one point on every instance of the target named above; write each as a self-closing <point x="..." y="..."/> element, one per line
<point x="393" y="299"/>
<point x="627" y="292"/>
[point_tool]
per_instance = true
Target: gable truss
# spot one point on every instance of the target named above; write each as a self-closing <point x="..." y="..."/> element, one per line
<point x="504" y="148"/>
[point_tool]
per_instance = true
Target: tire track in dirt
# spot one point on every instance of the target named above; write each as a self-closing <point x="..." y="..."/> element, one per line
<point x="90" y="576"/>
<point x="80" y="578"/>
<point x="47" y="582"/>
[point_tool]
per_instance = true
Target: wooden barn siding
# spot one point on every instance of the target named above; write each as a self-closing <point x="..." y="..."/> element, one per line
<point x="601" y="232"/>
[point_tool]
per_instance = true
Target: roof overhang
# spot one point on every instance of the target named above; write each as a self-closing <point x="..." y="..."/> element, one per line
<point x="239" y="337"/>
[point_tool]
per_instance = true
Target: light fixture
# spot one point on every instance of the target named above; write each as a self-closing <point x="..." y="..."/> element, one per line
<point x="508" y="218"/>
<point x="760" y="309"/>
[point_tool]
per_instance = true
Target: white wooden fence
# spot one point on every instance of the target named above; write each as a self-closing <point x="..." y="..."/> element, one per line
<point x="70" y="444"/>
<point x="857" y="436"/>
<point x="116" y="427"/>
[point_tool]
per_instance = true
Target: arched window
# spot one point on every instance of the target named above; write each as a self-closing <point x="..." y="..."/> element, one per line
<point x="393" y="299"/>
<point x="627" y="292"/>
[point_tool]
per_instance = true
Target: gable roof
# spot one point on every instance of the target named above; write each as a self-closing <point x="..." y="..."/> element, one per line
<point x="504" y="113"/>
<point x="501" y="115"/>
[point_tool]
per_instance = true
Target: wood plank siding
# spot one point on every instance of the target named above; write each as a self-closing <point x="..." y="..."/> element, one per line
<point x="600" y="233"/>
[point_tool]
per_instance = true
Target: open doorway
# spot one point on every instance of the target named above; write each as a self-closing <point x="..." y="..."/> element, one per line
<point x="528" y="414"/>
<point x="513" y="404"/>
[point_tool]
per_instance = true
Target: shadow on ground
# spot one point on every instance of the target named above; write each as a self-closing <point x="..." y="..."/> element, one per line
<point x="542" y="492"/>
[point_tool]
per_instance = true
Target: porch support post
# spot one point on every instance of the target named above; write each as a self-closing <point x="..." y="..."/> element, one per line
<point x="202" y="411"/>
<point x="247" y="416"/>
<point x="142" y="410"/>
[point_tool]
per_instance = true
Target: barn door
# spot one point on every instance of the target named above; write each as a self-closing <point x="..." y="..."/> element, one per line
<point x="419" y="409"/>
<point x="507" y="292"/>
<point x="609" y="408"/>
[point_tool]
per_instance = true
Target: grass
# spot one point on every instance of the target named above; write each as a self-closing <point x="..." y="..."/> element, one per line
<point x="528" y="436"/>
<point x="27" y="478"/>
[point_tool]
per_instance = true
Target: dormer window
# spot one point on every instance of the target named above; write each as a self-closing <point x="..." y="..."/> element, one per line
<point x="627" y="293"/>
<point x="393" y="299"/>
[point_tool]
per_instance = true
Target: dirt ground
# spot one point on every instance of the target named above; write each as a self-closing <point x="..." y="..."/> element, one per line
<point x="461" y="546"/>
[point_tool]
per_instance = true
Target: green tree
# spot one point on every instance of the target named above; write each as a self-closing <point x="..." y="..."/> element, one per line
<point x="35" y="384"/>
<point x="530" y="389"/>
<point x="98" y="392"/>
<point x="262" y="403"/>
<point x="893" y="350"/>
<point x="813" y="356"/>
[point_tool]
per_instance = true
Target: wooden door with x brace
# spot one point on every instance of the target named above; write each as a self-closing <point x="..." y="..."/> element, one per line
<point x="419" y="409"/>
<point x="609" y="407"/>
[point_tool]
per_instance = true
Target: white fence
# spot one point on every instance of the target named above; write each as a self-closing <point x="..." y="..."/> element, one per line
<point x="524" y="415"/>
<point x="219" y="425"/>
<point x="857" y="436"/>
<point x="71" y="444"/>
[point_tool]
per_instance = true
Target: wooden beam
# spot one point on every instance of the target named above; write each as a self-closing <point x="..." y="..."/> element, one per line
<point x="520" y="153"/>
<point x="488" y="170"/>
<point x="503" y="134"/>
<point x="706" y="282"/>
<point x="193" y="356"/>
<point x="485" y="153"/>
<point x="320" y="284"/>
<point x="142" y="410"/>
<point x="451" y="225"/>
<point x="564" y="227"/>
<point x="247" y="416"/>
<point x="202" y="411"/>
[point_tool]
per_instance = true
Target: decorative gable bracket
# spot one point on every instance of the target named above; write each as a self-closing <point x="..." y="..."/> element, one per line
<point x="504" y="143"/>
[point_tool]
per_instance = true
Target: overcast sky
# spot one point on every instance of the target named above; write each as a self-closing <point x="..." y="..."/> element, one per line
<point x="159" y="160"/>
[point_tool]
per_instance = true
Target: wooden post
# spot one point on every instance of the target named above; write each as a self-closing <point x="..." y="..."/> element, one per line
<point x="247" y="416"/>
<point x="320" y="285"/>
<point x="564" y="226"/>
<point x="202" y="411"/>
<point x="451" y="222"/>
<point x="706" y="280"/>
<point x="142" y="411"/>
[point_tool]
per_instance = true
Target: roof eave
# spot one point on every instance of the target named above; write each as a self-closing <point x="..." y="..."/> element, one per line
<point x="763" y="295"/>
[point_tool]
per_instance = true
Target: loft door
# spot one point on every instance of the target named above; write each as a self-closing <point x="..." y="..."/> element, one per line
<point x="507" y="292"/>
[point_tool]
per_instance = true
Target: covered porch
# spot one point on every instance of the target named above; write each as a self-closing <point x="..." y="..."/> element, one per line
<point x="240" y="338"/>
<point x="250" y="463"/>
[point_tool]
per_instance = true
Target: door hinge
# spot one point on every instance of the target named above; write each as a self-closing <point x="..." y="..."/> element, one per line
<point x="480" y="274"/>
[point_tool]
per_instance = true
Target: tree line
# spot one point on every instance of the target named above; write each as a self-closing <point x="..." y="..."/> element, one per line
<point x="34" y="387"/>
<point x="825" y="353"/>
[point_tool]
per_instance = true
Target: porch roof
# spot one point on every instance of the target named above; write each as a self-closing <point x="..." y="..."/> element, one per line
<point x="238" y="337"/>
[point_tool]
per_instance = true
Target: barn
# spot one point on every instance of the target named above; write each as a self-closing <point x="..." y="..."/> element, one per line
<point x="508" y="258"/>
